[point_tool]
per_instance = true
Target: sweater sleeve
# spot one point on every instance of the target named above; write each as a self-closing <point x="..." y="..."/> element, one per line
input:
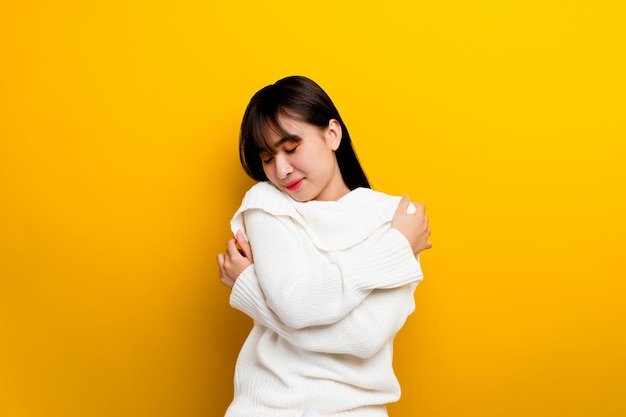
<point x="302" y="292"/>
<point x="362" y="333"/>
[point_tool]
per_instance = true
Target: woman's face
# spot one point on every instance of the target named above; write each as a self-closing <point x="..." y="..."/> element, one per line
<point x="304" y="165"/>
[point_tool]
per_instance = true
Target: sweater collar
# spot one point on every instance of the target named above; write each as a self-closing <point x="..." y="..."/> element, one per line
<point x="331" y="225"/>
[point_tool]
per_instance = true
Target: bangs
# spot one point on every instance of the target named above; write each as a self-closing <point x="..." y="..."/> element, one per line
<point x="267" y="127"/>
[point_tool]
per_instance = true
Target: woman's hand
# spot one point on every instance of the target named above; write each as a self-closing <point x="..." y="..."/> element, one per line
<point x="413" y="224"/>
<point x="238" y="256"/>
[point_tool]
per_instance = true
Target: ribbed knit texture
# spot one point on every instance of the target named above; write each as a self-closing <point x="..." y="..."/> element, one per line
<point x="331" y="285"/>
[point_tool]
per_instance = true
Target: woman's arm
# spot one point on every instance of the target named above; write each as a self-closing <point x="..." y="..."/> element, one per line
<point x="303" y="292"/>
<point x="363" y="332"/>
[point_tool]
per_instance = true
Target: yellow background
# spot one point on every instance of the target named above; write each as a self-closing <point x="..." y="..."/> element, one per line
<point x="119" y="173"/>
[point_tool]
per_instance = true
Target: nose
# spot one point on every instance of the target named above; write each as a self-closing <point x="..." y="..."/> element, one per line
<point x="283" y="167"/>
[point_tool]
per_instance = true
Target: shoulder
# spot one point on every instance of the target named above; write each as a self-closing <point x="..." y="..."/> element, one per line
<point x="365" y="203"/>
<point x="367" y="196"/>
<point x="263" y="196"/>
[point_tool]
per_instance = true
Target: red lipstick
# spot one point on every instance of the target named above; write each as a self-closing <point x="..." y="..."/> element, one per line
<point x="293" y="185"/>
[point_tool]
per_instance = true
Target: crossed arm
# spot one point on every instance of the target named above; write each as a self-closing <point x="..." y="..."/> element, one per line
<point x="414" y="227"/>
<point x="362" y="333"/>
<point x="363" y="324"/>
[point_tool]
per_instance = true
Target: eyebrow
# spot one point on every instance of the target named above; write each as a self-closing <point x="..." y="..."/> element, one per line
<point x="288" y="138"/>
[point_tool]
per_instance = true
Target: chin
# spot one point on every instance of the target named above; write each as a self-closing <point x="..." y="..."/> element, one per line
<point x="300" y="197"/>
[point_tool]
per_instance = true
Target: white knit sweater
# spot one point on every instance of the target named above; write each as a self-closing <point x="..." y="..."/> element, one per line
<point x="331" y="285"/>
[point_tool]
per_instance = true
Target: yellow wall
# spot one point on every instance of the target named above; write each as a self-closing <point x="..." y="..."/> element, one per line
<point x="119" y="173"/>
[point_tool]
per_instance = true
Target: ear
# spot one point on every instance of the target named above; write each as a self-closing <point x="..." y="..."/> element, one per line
<point x="334" y="134"/>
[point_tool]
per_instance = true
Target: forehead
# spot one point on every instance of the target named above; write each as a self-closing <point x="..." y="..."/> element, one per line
<point x="287" y="129"/>
<point x="286" y="125"/>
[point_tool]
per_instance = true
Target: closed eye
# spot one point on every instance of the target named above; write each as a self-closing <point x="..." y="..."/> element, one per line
<point x="292" y="150"/>
<point x="266" y="157"/>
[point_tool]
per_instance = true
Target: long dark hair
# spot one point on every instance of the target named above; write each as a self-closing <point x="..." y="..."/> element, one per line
<point x="302" y="99"/>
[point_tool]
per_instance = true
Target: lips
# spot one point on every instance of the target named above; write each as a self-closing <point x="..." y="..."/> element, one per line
<point x="293" y="185"/>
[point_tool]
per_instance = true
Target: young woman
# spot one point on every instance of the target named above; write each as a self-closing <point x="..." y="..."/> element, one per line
<point x="334" y="269"/>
